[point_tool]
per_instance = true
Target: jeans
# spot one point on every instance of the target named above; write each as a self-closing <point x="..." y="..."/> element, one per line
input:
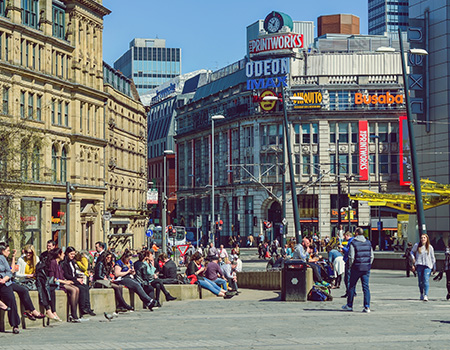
<point x="221" y="283"/>
<point x="423" y="274"/>
<point x="347" y="278"/>
<point x="354" y="277"/>
<point x="209" y="285"/>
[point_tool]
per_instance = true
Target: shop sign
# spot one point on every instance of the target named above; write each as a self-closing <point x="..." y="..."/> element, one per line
<point x="267" y="74"/>
<point x="311" y="99"/>
<point x="273" y="43"/>
<point x="363" y="151"/>
<point x="152" y="196"/>
<point x="378" y="99"/>
<point x="267" y="105"/>
<point x="30" y="222"/>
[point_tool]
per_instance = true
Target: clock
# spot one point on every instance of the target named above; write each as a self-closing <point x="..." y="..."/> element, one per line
<point x="274" y="21"/>
<point x="274" y="25"/>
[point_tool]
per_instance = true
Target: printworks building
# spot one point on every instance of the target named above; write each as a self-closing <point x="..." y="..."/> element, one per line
<point x="347" y="123"/>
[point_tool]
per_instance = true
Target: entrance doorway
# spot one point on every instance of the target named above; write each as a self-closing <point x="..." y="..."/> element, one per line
<point x="274" y="216"/>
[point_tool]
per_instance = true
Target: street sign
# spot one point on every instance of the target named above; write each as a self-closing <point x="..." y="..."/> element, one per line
<point x="284" y="221"/>
<point x="149" y="233"/>
<point x="107" y="216"/>
<point x="182" y="248"/>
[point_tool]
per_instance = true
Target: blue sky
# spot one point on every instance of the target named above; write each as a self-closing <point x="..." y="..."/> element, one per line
<point x="210" y="33"/>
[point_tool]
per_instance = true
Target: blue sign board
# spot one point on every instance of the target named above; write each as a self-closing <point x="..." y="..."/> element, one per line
<point x="149" y="233"/>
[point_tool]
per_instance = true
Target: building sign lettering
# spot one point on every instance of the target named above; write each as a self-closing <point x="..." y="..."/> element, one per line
<point x="378" y="99"/>
<point x="275" y="43"/>
<point x="311" y="99"/>
<point x="363" y="151"/>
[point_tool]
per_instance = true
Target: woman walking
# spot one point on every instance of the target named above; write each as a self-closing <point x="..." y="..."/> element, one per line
<point x="424" y="263"/>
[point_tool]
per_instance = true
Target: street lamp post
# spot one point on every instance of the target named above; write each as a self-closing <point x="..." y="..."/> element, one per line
<point x="289" y="155"/>
<point x="164" y="202"/>
<point x="412" y="141"/>
<point x="377" y="170"/>
<point x="339" y="192"/>
<point x="213" y="220"/>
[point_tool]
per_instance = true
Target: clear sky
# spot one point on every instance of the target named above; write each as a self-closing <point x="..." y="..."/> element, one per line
<point x="210" y="33"/>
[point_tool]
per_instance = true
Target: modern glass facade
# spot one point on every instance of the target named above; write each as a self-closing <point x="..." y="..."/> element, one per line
<point x="149" y="63"/>
<point x="387" y="16"/>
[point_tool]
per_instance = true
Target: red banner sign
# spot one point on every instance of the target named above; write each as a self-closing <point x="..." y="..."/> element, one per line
<point x="276" y="42"/>
<point x="363" y="151"/>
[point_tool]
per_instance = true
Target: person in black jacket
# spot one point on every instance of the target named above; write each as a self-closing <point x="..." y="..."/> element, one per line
<point x="70" y="273"/>
<point x="168" y="273"/>
<point x="102" y="279"/>
<point x="146" y="272"/>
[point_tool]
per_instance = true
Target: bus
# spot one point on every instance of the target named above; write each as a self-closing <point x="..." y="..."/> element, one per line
<point x="176" y="236"/>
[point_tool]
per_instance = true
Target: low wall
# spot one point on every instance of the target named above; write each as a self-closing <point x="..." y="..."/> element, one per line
<point x="102" y="300"/>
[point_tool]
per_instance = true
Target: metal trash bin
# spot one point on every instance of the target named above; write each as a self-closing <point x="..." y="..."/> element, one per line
<point x="293" y="281"/>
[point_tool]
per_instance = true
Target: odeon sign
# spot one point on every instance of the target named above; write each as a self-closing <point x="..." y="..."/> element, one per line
<point x="267" y="73"/>
<point x="378" y="99"/>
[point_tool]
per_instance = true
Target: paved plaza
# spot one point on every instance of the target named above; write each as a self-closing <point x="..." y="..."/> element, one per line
<point x="257" y="319"/>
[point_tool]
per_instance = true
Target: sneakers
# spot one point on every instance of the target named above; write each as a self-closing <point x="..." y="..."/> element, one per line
<point x="421" y="296"/>
<point x="366" y="310"/>
<point x="347" y="308"/>
<point x="425" y="298"/>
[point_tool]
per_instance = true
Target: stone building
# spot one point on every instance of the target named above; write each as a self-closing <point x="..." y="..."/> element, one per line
<point x="51" y="80"/>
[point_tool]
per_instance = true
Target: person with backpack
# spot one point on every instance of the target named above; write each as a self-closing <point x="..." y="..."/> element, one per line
<point x="360" y="258"/>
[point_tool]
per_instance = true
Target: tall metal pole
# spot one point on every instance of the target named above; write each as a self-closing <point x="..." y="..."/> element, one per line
<point x="338" y="174"/>
<point x="349" y="204"/>
<point x="213" y="221"/>
<point x="164" y="203"/>
<point x="298" y="232"/>
<point x="377" y="162"/>
<point x="68" y="200"/>
<point x="283" y="188"/>
<point x="412" y="143"/>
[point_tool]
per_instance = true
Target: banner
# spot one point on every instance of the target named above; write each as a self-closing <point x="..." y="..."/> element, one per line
<point x="363" y="150"/>
<point x="405" y="163"/>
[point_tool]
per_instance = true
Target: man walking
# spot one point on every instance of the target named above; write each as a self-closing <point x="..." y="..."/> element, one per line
<point x="345" y="249"/>
<point x="360" y="258"/>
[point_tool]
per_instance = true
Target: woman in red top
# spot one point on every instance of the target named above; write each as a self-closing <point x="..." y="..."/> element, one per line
<point x="54" y="270"/>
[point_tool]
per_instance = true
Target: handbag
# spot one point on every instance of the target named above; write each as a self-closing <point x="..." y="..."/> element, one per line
<point x="192" y="279"/>
<point x="29" y="283"/>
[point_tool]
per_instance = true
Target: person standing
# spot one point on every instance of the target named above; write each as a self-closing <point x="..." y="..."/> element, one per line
<point x="345" y="249"/>
<point x="360" y="258"/>
<point x="424" y="262"/>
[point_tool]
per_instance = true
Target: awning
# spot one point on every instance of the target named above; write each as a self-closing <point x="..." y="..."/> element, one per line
<point x="119" y="222"/>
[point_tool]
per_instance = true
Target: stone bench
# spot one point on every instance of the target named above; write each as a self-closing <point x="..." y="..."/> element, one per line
<point x="102" y="300"/>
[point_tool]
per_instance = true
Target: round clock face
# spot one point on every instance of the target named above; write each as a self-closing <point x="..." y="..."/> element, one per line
<point x="274" y="25"/>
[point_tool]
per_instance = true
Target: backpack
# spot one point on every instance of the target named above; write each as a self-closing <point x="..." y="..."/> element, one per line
<point x="315" y="294"/>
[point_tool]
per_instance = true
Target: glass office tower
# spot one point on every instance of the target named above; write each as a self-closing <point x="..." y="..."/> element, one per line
<point x="149" y="63"/>
<point x="385" y="16"/>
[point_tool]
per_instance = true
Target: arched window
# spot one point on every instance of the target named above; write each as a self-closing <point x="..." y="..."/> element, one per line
<point x="54" y="164"/>
<point x="35" y="163"/>
<point x="64" y="165"/>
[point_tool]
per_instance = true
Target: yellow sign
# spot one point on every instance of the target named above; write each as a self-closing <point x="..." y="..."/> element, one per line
<point x="311" y="99"/>
<point x="267" y="105"/>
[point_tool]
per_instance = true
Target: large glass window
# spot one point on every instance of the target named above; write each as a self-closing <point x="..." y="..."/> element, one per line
<point x="306" y="133"/>
<point x="58" y="22"/>
<point x="35" y="163"/>
<point x="355" y="130"/>
<point x="5" y="107"/>
<point x="343" y="132"/>
<point x="39" y="107"/>
<point x="24" y="160"/>
<point x="22" y="104"/>
<point x="64" y="165"/>
<point x="383" y="132"/>
<point x="384" y="164"/>
<point x="343" y="164"/>
<point x="30" y="105"/>
<point x="315" y="132"/>
<point x="30" y="11"/>
<point x="54" y="164"/>
<point x="332" y="132"/>
<point x="2" y="7"/>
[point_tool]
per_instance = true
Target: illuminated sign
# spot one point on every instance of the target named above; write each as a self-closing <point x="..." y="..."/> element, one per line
<point x="267" y="105"/>
<point x="378" y="99"/>
<point x="264" y="73"/>
<point x="311" y="99"/>
<point x="363" y="151"/>
<point x="278" y="42"/>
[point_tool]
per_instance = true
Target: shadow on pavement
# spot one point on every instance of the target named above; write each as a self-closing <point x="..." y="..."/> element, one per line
<point x="338" y="310"/>
<point x="440" y="321"/>
<point x="277" y="298"/>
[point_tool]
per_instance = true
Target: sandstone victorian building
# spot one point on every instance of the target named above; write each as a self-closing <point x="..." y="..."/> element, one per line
<point x="88" y="164"/>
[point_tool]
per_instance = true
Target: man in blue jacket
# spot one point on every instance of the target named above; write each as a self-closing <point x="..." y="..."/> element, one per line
<point x="360" y="258"/>
<point x="349" y="238"/>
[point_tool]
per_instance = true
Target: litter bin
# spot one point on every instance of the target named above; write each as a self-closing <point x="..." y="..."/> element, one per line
<point x="293" y="281"/>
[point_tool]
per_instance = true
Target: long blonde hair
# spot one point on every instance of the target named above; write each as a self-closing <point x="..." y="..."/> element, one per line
<point x="30" y="247"/>
<point x="427" y="245"/>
